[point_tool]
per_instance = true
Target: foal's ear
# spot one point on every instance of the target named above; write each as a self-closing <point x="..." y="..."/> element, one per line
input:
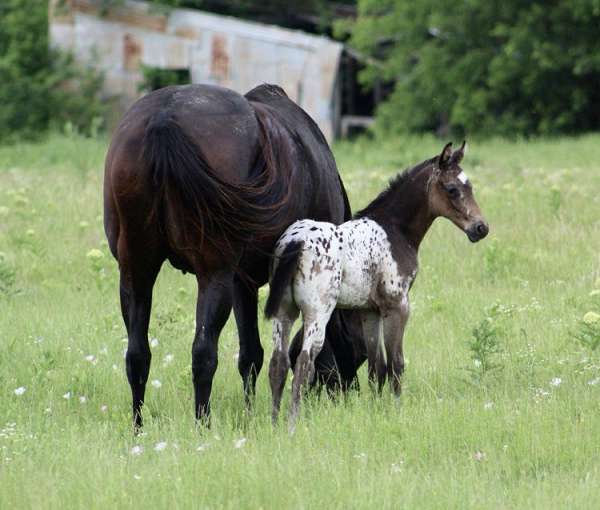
<point x="444" y="157"/>
<point x="459" y="153"/>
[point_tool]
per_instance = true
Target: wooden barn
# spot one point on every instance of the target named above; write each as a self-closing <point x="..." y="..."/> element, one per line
<point x="129" y="41"/>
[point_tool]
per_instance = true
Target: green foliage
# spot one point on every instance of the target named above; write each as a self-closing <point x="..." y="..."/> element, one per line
<point x="155" y="78"/>
<point x="40" y="88"/>
<point x="485" y="347"/>
<point x="498" y="258"/>
<point x="555" y="200"/>
<point x="484" y="67"/>
<point x="588" y="335"/>
<point x="7" y="277"/>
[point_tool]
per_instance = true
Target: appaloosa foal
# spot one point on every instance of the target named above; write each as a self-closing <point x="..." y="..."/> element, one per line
<point x="369" y="263"/>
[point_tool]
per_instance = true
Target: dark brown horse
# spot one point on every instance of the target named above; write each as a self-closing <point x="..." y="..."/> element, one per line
<point x="208" y="179"/>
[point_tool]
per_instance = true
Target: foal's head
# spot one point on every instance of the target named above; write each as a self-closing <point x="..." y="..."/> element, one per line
<point x="451" y="194"/>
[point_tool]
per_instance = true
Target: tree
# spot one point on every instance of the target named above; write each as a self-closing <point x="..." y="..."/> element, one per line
<point x="510" y="67"/>
<point x="39" y="86"/>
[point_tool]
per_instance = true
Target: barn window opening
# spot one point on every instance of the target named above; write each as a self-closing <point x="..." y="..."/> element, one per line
<point x="154" y="78"/>
<point x="357" y="104"/>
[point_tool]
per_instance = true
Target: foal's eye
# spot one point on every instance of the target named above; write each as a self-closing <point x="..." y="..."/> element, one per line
<point x="453" y="191"/>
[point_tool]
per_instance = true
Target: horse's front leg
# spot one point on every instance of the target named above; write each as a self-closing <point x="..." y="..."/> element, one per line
<point x="245" y="307"/>
<point x="212" y="311"/>
<point x="394" y="324"/>
<point x="371" y="324"/>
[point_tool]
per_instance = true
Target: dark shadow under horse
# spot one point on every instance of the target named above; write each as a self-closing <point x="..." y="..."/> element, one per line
<point x="208" y="179"/>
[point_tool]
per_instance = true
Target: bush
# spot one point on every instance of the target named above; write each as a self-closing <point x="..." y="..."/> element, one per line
<point x="40" y="88"/>
<point x="155" y="78"/>
<point x="512" y="67"/>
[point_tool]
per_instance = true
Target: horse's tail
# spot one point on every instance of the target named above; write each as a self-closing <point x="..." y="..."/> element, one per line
<point x="228" y="215"/>
<point x="286" y="266"/>
<point x="347" y="209"/>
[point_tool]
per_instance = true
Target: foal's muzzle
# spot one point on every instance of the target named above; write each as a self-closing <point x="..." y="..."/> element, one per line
<point x="477" y="231"/>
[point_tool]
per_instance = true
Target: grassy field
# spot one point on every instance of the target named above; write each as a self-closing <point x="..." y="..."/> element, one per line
<point x="524" y="433"/>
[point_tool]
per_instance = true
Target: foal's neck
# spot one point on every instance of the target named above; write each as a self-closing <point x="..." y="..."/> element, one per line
<point x="403" y="208"/>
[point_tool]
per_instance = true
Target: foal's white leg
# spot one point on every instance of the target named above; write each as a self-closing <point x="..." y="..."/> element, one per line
<point x="280" y="360"/>
<point x="371" y="322"/>
<point x="314" y="336"/>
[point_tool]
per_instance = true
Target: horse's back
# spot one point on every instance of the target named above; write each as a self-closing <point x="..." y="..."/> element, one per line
<point x="317" y="277"/>
<point x="220" y="121"/>
<point x="329" y="201"/>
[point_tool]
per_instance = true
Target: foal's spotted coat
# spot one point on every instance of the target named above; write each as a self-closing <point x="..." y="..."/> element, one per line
<point x="368" y="264"/>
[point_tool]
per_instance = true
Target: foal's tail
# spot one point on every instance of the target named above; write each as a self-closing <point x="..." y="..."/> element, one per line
<point x="287" y="264"/>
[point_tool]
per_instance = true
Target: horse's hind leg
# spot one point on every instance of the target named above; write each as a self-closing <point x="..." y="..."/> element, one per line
<point x="280" y="361"/>
<point x="138" y="274"/>
<point x="212" y="311"/>
<point x="245" y="307"/>
<point x="314" y="336"/>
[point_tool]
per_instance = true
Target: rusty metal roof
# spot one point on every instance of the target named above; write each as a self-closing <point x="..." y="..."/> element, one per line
<point x="215" y="49"/>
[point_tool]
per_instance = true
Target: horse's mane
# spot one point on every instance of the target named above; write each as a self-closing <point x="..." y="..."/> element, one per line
<point x="394" y="185"/>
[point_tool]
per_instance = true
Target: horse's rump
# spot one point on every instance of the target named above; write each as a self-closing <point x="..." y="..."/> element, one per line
<point x="195" y="205"/>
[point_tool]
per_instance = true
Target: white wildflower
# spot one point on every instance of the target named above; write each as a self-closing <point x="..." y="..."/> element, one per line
<point x="136" y="450"/>
<point x="159" y="447"/>
<point x="396" y="467"/>
<point x="103" y="408"/>
<point x="154" y="342"/>
<point x="82" y="399"/>
<point x="488" y="405"/>
<point x="240" y="442"/>
<point x="67" y="395"/>
<point x="556" y="381"/>
<point x="20" y="390"/>
<point x="479" y="456"/>
<point x="156" y="383"/>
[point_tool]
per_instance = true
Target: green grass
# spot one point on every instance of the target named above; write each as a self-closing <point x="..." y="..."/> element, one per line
<point x="503" y="439"/>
